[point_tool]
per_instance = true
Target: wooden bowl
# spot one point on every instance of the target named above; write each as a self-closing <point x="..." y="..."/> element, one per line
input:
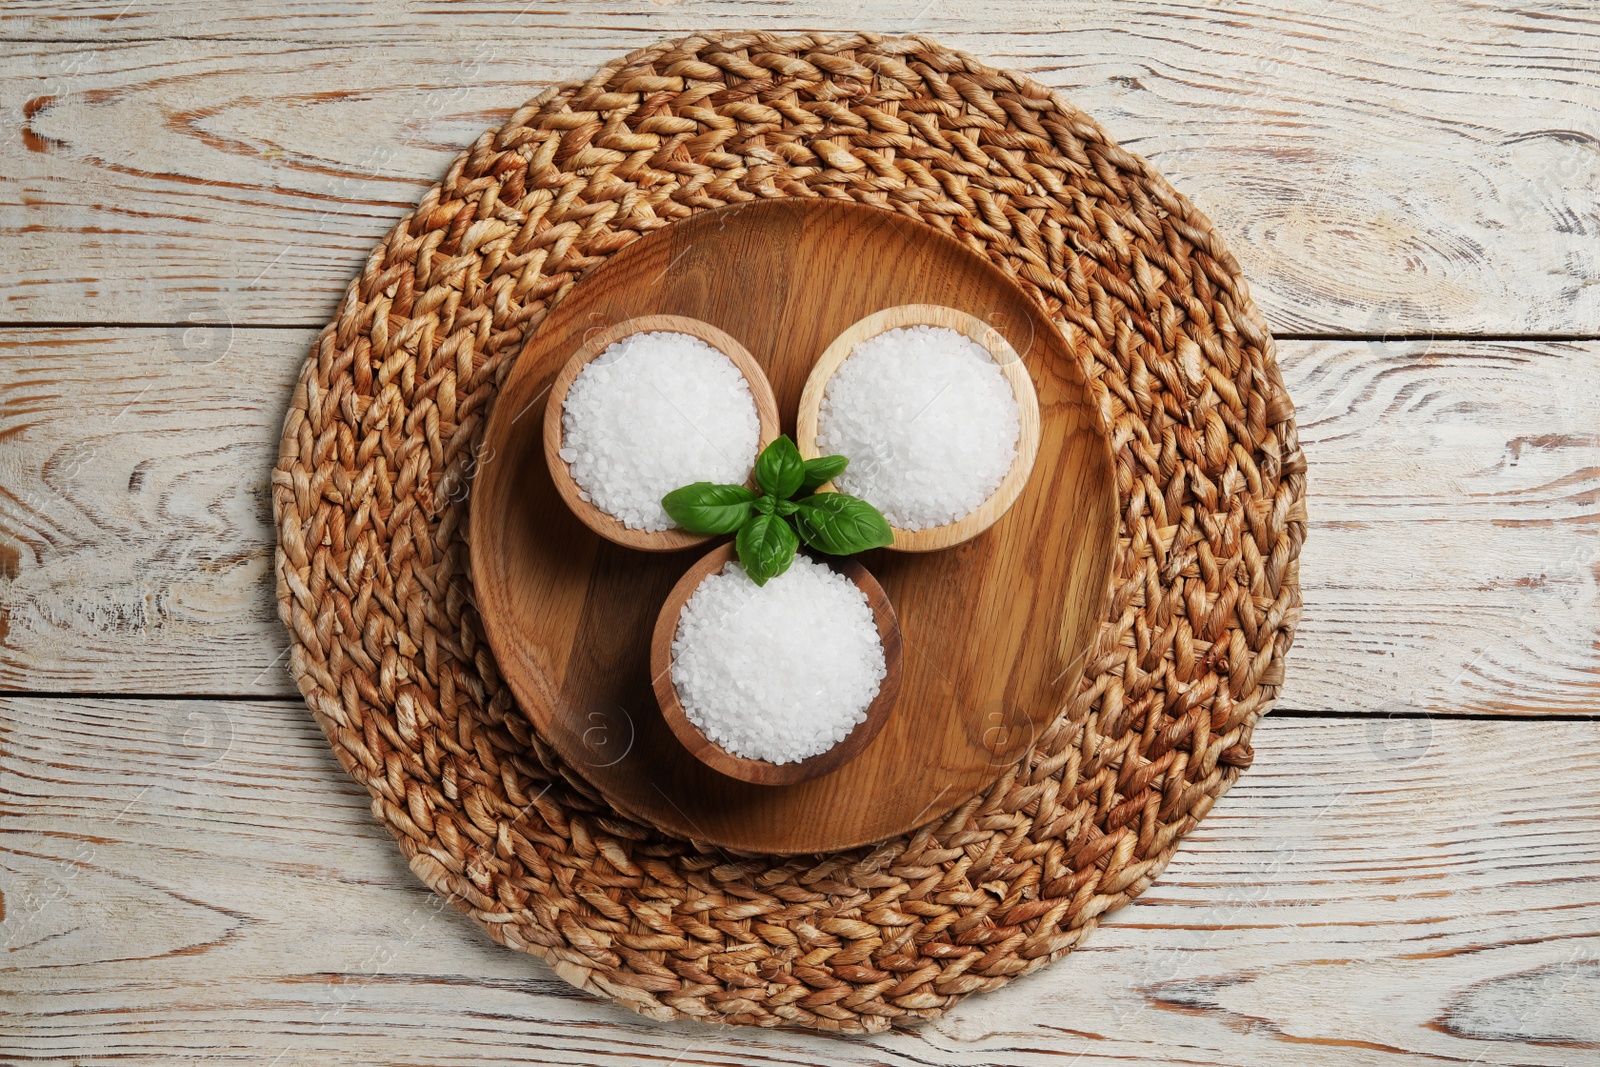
<point x="758" y="771"/>
<point x="597" y="342"/>
<point x="984" y="515"/>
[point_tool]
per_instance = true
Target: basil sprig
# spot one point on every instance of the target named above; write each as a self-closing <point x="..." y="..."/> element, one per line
<point x="766" y="546"/>
<point x="822" y="469"/>
<point x="780" y="470"/>
<point x="769" y="527"/>
<point x="839" y="525"/>
<point x="708" y="508"/>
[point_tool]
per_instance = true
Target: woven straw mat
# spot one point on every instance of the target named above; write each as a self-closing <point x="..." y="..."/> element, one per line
<point x="370" y="500"/>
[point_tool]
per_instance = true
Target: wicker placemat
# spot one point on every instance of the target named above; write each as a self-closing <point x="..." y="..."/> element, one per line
<point x="381" y="441"/>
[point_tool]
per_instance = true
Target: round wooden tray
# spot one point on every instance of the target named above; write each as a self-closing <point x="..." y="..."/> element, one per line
<point x="995" y="630"/>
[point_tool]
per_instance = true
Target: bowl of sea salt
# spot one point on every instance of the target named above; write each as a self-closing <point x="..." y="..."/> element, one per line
<point x="779" y="683"/>
<point x="937" y="415"/>
<point x="648" y="405"/>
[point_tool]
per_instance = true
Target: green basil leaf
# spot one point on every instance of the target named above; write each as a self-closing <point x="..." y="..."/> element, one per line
<point x="786" y="507"/>
<point x="765" y="505"/>
<point x="779" y="469"/>
<point x="820" y="470"/>
<point x="708" y="508"/>
<point x="766" y="546"/>
<point x="840" y="525"/>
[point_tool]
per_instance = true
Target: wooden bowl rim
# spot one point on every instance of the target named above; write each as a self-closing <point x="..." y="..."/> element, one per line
<point x="1011" y="365"/>
<point x="593" y="517"/>
<point x="758" y="771"/>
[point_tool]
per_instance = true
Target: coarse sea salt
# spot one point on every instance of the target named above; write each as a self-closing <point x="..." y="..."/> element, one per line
<point x="928" y="421"/>
<point x="779" y="672"/>
<point x="653" y="412"/>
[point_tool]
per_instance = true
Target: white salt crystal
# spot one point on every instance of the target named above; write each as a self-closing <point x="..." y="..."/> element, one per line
<point x="928" y="421"/>
<point x="651" y="413"/>
<point x="779" y="672"/>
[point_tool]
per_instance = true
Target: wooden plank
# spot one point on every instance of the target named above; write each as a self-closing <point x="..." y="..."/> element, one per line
<point x="195" y="879"/>
<point x="1374" y="174"/>
<point x="1453" y="562"/>
<point x="135" y="517"/>
<point x="110" y="21"/>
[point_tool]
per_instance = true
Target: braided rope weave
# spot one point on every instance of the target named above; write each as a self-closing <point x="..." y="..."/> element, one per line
<point x="369" y="497"/>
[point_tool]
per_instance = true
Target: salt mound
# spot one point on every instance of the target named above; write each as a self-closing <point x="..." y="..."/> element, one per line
<point x="779" y="672"/>
<point x="928" y="421"/>
<point x="653" y="412"/>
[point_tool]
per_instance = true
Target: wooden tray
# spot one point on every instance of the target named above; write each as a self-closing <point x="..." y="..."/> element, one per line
<point x="995" y="630"/>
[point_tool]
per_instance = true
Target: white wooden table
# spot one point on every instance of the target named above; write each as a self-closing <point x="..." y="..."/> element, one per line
<point x="1411" y="871"/>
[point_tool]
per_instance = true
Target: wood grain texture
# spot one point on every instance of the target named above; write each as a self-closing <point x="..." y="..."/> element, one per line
<point x="1374" y="174"/>
<point x="1454" y="563"/>
<point x="196" y="880"/>
<point x="135" y="522"/>
<point x="601" y="522"/>
<point x="996" y="631"/>
<point x="1011" y="366"/>
<point x="1457" y="506"/>
<point x="760" y="771"/>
